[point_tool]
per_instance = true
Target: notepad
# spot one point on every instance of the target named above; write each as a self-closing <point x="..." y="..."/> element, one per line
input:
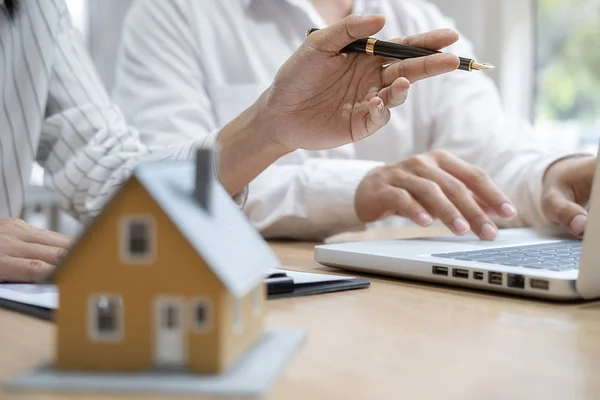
<point x="41" y="300"/>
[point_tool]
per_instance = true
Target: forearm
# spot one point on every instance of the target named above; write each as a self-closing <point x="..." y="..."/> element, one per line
<point x="246" y="148"/>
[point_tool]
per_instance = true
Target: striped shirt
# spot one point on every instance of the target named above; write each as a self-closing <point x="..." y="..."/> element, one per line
<point x="54" y="110"/>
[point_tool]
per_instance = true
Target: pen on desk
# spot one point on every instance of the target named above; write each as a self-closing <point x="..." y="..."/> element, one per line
<point x="376" y="47"/>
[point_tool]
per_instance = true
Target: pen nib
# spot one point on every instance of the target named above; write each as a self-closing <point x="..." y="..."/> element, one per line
<point x="481" y="66"/>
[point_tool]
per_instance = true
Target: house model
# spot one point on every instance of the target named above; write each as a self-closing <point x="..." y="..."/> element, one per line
<point x="169" y="275"/>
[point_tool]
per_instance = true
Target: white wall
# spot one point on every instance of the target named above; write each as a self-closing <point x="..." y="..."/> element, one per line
<point x="503" y="32"/>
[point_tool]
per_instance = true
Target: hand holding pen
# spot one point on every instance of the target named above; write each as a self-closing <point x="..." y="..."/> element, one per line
<point x="402" y="51"/>
<point x="334" y="99"/>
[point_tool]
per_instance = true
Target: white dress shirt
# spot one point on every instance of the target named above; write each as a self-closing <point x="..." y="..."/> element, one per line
<point x="188" y="67"/>
<point x="54" y="110"/>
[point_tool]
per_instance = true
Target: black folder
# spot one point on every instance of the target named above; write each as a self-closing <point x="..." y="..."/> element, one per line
<point x="281" y="285"/>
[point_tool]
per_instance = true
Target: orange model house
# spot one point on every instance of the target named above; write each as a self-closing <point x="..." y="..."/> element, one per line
<point x="169" y="275"/>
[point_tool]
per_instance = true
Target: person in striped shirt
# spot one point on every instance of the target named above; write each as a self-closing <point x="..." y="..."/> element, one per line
<point x="55" y="111"/>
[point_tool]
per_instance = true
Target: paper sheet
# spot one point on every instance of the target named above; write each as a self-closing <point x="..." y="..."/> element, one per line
<point x="35" y="295"/>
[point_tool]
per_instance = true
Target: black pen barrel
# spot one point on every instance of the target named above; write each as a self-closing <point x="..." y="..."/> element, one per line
<point x="394" y="50"/>
<point x="465" y="64"/>
<point x="400" y="51"/>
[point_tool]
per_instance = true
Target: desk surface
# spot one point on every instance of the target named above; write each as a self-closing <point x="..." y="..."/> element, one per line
<point x="398" y="340"/>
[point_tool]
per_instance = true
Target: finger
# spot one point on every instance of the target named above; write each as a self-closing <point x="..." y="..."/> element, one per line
<point x="433" y="199"/>
<point x="433" y="40"/>
<point x="36" y="251"/>
<point x="490" y="212"/>
<point x="22" y="270"/>
<point x="404" y="205"/>
<point x="479" y="182"/>
<point x="378" y="116"/>
<point x="415" y="69"/>
<point x="337" y="36"/>
<point x="395" y="94"/>
<point x="44" y="237"/>
<point x="559" y="208"/>
<point x="458" y="193"/>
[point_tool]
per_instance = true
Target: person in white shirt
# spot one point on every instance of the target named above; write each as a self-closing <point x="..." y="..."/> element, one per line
<point x="54" y="110"/>
<point x="439" y="156"/>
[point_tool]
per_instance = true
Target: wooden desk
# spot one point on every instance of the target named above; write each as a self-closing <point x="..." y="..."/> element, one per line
<point x="398" y="340"/>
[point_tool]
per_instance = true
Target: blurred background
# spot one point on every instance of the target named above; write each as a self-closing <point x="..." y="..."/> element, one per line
<point x="547" y="53"/>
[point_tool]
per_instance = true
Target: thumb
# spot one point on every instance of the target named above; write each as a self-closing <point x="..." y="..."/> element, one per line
<point x="560" y="207"/>
<point x="337" y="36"/>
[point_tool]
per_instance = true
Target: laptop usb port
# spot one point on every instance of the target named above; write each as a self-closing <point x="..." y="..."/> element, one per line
<point x="478" y="276"/>
<point x="495" y="278"/>
<point x="460" y="273"/>
<point x="437" y="270"/>
<point x="515" y="281"/>
<point x="541" y="284"/>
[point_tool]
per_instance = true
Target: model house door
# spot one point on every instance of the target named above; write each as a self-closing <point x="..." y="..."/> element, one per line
<point x="170" y="344"/>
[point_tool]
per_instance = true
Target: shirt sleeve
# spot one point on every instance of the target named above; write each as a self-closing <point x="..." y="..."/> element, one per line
<point x="86" y="148"/>
<point x="162" y="89"/>
<point x="469" y="121"/>
<point x="159" y="82"/>
<point x="311" y="200"/>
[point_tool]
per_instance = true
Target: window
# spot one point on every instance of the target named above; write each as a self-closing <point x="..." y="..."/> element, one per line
<point x="201" y="315"/>
<point x="567" y="109"/>
<point x="238" y="316"/>
<point x="105" y="318"/>
<point x="137" y="240"/>
<point x="257" y="300"/>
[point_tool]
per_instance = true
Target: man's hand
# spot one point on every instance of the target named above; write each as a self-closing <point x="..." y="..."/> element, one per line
<point x="323" y="99"/>
<point x="27" y="253"/>
<point x="434" y="185"/>
<point x="566" y="192"/>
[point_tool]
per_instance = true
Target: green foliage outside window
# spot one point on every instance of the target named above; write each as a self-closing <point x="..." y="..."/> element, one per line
<point x="568" y="62"/>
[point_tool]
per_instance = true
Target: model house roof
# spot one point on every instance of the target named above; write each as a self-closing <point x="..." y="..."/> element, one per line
<point x="217" y="229"/>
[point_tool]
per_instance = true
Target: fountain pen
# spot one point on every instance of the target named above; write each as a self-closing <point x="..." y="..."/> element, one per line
<point x="376" y="47"/>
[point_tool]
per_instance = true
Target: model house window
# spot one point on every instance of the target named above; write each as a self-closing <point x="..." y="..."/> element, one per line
<point x="105" y="317"/>
<point x="238" y="316"/>
<point x="201" y="314"/>
<point x="256" y="300"/>
<point x="137" y="241"/>
<point x="139" y="238"/>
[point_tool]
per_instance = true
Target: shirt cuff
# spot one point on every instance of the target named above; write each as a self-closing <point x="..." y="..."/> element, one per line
<point x="344" y="188"/>
<point x="210" y="142"/>
<point x="338" y="180"/>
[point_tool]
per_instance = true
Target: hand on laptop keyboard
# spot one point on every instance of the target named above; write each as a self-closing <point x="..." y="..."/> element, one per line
<point x="434" y="185"/>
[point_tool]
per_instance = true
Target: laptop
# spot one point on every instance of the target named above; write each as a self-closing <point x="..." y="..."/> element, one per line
<point x="526" y="262"/>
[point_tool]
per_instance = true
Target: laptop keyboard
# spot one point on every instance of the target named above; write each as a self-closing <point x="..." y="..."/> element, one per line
<point x="557" y="256"/>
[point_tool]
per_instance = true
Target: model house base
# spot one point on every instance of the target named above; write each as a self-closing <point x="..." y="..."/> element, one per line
<point x="251" y="376"/>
